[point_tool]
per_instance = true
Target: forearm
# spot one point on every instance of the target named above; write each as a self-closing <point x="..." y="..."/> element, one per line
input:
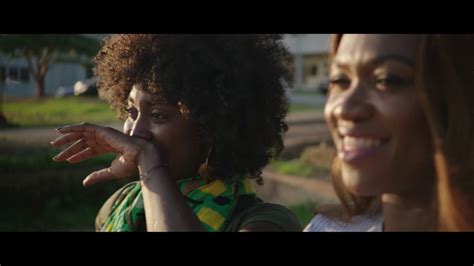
<point x="166" y="209"/>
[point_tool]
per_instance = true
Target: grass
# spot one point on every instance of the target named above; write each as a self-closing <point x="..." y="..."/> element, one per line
<point x="306" y="92"/>
<point x="299" y="167"/>
<point x="292" y="168"/>
<point x="54" y="217"/>
<point x="298" y="107"/>
<point x="313" y="162"/>
<point x="34" y="112"/>
<point x="42" y="195"/>
<point x="304" y="211"/>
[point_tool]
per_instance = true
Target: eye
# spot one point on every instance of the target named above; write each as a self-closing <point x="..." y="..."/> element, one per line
<point x="131" y="112"/>
<point x="339" y="82"/>
<point x="158" y="117"/>
<point x="391" y="81"/>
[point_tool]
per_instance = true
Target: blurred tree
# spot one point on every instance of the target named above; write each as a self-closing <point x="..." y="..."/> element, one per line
<point x="40" y="50"/>
<point x="3" y="119"/>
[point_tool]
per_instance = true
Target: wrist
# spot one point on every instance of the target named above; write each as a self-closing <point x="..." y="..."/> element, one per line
<point x="150" y="161"/>
<point x="145" y="174"/>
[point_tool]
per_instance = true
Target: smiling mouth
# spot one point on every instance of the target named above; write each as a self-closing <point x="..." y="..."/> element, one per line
<point x="356" y="143"/>
<point x="354" y="149"/>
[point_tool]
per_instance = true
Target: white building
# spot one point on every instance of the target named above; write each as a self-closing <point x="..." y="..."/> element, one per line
<point x="17" y="81"/>
<point x="309" y="59"/>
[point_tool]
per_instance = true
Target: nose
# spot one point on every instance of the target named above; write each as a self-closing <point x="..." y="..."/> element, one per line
<point x="140" y="128"/>
<point x="354" y="105"/>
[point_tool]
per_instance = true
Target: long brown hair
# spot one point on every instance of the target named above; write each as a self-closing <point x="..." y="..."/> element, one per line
<point x="446" y="92"/>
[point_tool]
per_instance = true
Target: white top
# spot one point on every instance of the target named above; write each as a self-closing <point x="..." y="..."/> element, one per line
<point x="360" y="223"/>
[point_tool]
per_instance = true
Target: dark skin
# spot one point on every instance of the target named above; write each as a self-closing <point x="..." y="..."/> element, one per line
<point x="159" y="141"/>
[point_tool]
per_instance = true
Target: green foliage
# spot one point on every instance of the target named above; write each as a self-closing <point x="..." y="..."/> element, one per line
<point x="56" y="112"/>
<point x="39" y="194"/>
<point x="19" y="44"/>
<point x="303" y="107"/>
<point x="292" y="168"/>
<point x="304" y="211"/>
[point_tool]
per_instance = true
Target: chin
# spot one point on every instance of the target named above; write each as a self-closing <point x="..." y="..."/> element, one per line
<point x="362" y="185"/>
<point x="364" y="191"/>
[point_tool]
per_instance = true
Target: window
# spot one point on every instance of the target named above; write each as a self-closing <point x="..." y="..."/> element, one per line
<point x="13" y="74"/>
<point x="314" y="70"/>
<point x="2" y="74"/>
<point x="24" y="75"/>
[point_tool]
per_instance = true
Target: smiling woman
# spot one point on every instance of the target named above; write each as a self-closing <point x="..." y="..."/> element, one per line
<point x="371" y="104"/>
<point x="203" y="114"/>
<point x="385" y="112"/>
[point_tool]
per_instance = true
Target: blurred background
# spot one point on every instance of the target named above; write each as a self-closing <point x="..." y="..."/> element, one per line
<point x="46" y="81"/>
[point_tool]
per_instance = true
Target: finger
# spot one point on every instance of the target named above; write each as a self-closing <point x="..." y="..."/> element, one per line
<point x="83" y="155"/>
<point x="83" y="127"/>
<point x="113" y="139"/>
<point x="75" y="148"/>
<point x="98" y="176"/>
<point x="66" y="139"/>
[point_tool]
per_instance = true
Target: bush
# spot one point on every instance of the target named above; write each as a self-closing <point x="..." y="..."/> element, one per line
<point x="42" y="195"/>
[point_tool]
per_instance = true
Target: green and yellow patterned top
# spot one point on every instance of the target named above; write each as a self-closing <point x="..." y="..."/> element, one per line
<point x="219" y="205"/>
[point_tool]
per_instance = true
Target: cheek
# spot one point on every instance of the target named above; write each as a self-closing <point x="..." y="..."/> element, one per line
<point x="409" y="126"/>
<point x="181" y="144"/>
<point x="414" y="139"/>
<point x="329" y="109"/>
<point x="411" y="153"/>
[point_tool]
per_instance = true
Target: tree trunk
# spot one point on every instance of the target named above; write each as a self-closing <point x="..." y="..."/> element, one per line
<point x="40" y="86"/>
<point x="3" y="120"/>
<point x="39" y="72"/>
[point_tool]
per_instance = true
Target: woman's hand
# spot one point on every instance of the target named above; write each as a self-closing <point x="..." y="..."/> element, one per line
<point x="91" y="140"/>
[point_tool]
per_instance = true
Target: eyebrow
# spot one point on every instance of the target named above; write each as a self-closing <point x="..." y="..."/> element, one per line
<point x="381" y="59"/>
<point x="155" y="100"/>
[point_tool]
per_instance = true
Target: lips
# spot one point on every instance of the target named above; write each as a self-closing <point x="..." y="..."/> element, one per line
<point x="352" y="143"/>
<point x="357" y="147"/>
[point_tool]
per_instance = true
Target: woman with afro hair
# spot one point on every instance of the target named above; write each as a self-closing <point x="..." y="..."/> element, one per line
<point x="203" y="114"/>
